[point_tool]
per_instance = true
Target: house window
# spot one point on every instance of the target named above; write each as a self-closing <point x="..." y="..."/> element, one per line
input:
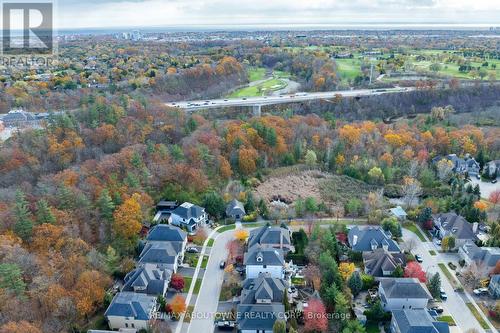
<point x="126" y="324"/>
<point x="133" y="326"/>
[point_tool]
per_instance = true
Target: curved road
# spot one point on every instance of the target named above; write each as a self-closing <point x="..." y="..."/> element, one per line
<point x="282" y="99"/>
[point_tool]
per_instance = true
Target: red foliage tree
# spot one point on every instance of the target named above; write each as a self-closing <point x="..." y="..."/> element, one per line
<point x="177" y="282"/>
<point x="414" y="270"/>
<point x="315" y="319"/>
<point x="494" y="197"/>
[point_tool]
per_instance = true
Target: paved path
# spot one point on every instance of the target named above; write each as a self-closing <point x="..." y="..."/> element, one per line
<point x="454" y="305"/>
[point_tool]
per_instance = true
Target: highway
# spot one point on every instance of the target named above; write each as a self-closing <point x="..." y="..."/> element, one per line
<point x="281" y="99"/>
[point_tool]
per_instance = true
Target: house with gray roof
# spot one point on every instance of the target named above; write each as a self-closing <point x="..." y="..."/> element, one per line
<point x="131" y="310"/>
<point x="485" y="257"/>
<point x="263" y="289"/>
<point x="460" y="165"/>
<point x="492" y="169"/>
<point x="451" y="224"/>
<point x="258" y="318"/>
<point x="148" y="279"/>
<point x="494" y="286"/>
<point x="416" y="321"/>
<point x="362" y="239"/>
<point x="382" y="263"/>
<point x="273" y="237"/>
<point x="166" y="233"/>
<point x="235" y="210"/>
<point x="403" y="293"/>
<point x="188" y="216"/>
<point x="166" y="255"/>
<point x="259" y="260"/>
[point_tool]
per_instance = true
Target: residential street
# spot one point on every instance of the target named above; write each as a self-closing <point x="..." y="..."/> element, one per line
<point x="454" y="305"/>
<point x="208" y="297"/>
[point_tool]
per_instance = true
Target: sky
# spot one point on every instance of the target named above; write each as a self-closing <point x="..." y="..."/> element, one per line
<point x="150" y="13"/>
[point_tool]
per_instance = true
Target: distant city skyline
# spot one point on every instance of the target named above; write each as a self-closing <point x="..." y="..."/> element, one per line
<point x="150" y="13"/>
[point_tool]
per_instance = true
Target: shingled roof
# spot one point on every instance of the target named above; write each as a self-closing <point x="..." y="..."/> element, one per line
<point x="380" y="261"/>
<point x="134" y="305"/>
<point x="263" y="287"/>
<point x="368" y="238"/>
<point x="418" y="321"/>
<point x="277" y="237"/>
<point x="257" y="255"/>
<point x="403" y="288"/>
<point x="166" y="233"/>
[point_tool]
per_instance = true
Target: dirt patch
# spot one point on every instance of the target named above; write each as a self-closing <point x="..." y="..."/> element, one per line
<point x="290" y="187"/>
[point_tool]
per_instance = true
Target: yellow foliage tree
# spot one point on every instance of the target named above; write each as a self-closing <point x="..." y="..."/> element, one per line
<point x="128" y="217"/>
<point x="481" y="205"/>
<point x="346" y="269"/>
<point x="178" y="305"/>
<point x="241" y="234"/>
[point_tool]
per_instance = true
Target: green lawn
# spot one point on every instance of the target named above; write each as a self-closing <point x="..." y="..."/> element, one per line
<point x="447" y="319"/>
<point x="253" y="224"/>
<point x="256" y="73"/>
<point x="259" y="89"/>
<point x="191" y="259"/>
<point x="476" y="314"/>
<point x="187" y="284"/>
<point x="226" y="228"/>
<point x="298" y="281"/>
<point x="204" y="262"/>
<point x="413" y="228"/>
<point x="210" y="242"/>
<point x="449" y="276"/>
<point x="348" y="68"/>
<point x="432" y="252"/>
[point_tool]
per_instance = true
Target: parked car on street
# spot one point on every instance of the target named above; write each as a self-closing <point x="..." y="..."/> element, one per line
<point x="438" y="309"/>
<point x="192" y="250"/>
<point x="418" y="258"/>
<point x="222" y="264"/>
<point x="443" y="295"/>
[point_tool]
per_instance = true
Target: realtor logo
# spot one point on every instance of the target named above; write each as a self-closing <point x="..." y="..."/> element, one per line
<point x="27" y="28"/>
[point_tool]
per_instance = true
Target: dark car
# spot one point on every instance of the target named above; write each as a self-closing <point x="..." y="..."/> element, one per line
<point x="192" y="250"/>
<point x="438" y="309"/>
<point x="222" y="264"/>
<point x="418" y="258"/>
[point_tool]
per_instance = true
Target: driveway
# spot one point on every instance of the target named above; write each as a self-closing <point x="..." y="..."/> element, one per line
<point x="208" y="297"/>
<point x="454" y="305"/>
<point x="486" y="187"/>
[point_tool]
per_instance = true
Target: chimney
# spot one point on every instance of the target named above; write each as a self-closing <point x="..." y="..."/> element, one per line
<point x="474" y="227"/>
<point x="354" y="240"/>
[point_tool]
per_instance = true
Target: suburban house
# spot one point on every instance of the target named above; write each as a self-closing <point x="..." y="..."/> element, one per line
<point x="258" y="318"/>
<point x="399" y="213"/>
<point x="451" y="224"/>
<point x="167" y="233"/>
<point x="403" y="293"/>
<point x="370" y="239"/>
<point x="274" y="237"/>
<point x="461" y="165"/>
<point x="235" y="210"/>
<point x="264" y="260"/>
<point x="381" y="263"/>
<point x="131" y="310"/>
<point x="494" y="287"/>
<point x="166" y="255"/>
<point x="485" y="257"/>
<point x="148" y="279"/>
<point x="263" y="290"/>
<point x="416" y="321"/>
<point x="163" y="210"/>
<point x="492" y="169"/>
<point x="188" y="216"/>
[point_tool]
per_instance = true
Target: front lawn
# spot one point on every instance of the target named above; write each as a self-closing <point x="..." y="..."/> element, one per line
<point x="210" y="242"/>
<point x="413" y="228"/>
<point x="447" y="319"/>
<point x="204" y="262"/>
<point x="191" y="259"/>
<point x="226" y="228"/>
<point x="476" y="314"/>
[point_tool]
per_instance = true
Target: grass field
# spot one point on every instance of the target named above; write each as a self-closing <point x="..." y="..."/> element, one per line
<point x="259" y="89"/>
<point x="413" y="228"/>
<point x="476" y="314"/>
<point x="447" y="319"/>
<point x="348" y="68"/>
<point x="256" y="74"/>
<point x="187" y="284"/>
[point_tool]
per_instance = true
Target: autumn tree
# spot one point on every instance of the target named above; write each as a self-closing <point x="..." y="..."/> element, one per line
<point x="414" y="270"/>
<point x="494" y="198"/>
<point x="411" y="190"/>
<point x="315" y="319"/>
<point x="241" y="234"/>
<point x="128" y="219"/>
<point x="20" y="326"/>
<point x="177" y="282"/>
<point x="178" y="305"/>
<point x="312" y="275"/>
<point x="346" y="269"/>
<point x="89" y="291"/>
<point x="444" y="169"/>
<point x="247" y="160"/>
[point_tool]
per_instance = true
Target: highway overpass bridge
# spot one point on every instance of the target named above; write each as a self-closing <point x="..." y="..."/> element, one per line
<point x="257" y="102"/>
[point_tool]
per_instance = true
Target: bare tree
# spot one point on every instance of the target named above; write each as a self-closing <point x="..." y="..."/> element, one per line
<point x="411" y="191"/>
<point x="410" y="244"/>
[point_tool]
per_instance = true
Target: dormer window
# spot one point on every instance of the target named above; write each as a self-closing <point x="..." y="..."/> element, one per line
<point x="260" y="258"/>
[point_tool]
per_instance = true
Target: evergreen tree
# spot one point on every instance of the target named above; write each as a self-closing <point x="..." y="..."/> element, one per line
<point x="250" y="203"/>
<point x="398" y="272"/>
<point x="11" y="279"/>
<point x="279" y="326"/>
<point x="434" y="285"/>
<point x="214" y="204"/>
<point x="43" y="213"/>
<point x="105" y="205"/>
<point x="355" y="284"/>
<point x="24" y="225"/>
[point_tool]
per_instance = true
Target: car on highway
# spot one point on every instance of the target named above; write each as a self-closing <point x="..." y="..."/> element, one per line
<point x="192" y="250"/>
<point x="418" y="258"/>
<point x="443" y="295"/>
<point x="222" y="264"/>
